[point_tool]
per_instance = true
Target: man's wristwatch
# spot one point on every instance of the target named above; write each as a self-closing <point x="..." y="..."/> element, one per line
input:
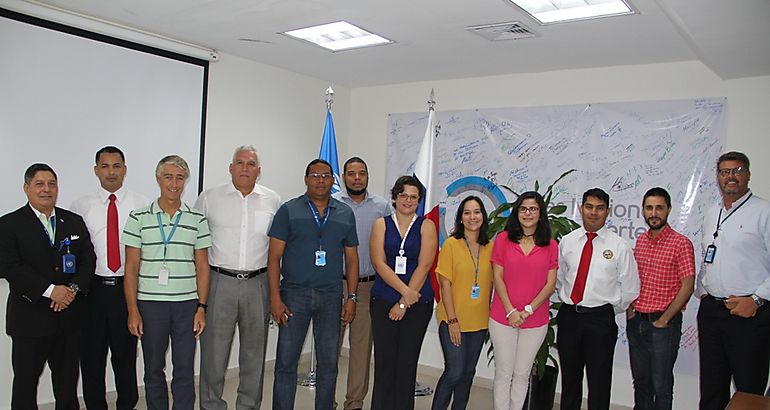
<point x="204" y="306"/>
<point x="74" y="286"/>
<point x="353" y="297"/>
<point x="758" y="300"/>
<point x="528" y="309"/>
<point x="401" y="306"/>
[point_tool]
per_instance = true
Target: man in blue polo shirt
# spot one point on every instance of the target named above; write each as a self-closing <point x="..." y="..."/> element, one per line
<point x="309" y="237"/>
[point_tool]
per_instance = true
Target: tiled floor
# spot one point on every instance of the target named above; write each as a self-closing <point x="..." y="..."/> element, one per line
<point x="481" y="398"/>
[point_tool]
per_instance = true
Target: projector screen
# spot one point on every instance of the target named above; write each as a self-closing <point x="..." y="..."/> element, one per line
<point x="65" y="93"/>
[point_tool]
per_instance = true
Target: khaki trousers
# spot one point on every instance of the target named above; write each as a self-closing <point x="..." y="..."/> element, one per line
<point x="360" y="354"/>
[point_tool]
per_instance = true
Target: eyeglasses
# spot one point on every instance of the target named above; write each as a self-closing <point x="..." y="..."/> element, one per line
<point x="725" y="172"/>
<point x="316" y="175"/>
<point x="407" y="197"/>
<point x="529" y="210"/>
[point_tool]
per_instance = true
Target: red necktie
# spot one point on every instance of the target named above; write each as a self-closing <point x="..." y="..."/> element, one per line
<point x="113" y="244"/>
<point x="582" y="274"/>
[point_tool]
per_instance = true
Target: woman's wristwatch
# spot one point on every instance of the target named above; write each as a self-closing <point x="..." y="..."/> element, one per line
<point x="452" y="321"/>
<point x="528" y="309"/>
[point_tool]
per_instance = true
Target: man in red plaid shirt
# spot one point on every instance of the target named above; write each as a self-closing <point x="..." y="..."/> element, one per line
<point x="666" y="262"/>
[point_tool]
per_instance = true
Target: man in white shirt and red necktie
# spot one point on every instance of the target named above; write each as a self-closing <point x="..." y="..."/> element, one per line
<point x="106" y="329"/>
<point x="597" y="279"/>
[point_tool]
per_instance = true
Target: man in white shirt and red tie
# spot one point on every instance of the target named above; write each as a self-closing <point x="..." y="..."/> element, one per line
<point x="597" y="279"/>
<point x="105" y="212"/>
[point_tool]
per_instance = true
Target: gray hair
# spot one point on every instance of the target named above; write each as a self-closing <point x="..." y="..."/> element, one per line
<point x="174" y="160"/>
<point x="249" y="148"/>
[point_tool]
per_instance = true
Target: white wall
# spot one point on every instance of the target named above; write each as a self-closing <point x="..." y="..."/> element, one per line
<point x="748" y="125"/>
<point x="282" y="114"/>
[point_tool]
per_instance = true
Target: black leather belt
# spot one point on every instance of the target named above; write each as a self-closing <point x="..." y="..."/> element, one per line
<point x="364" y="279"/>
<point x="586" y="309"/>
<point x="719" y="300"/>
<point x="650" y="316"/>
<point x="241" y="274"/>
<point x="107" y="280"/>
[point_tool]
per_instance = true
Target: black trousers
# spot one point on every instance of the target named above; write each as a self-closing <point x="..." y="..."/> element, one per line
<point x="732" y="348"/>
<point x="397" y="347"/>
<point x="586" y="339"/>
<point x="106" y="328"/>
<point x="30" y="354"/>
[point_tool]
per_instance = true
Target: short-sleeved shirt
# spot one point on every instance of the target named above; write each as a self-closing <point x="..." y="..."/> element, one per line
<point x="412" y="245"/>
<point x="457" y="265"/>
<point x="142" y="231"/>
<point x="524" y="277"/>
<point x="295" y="225"/>
<point x="663" y="262"/>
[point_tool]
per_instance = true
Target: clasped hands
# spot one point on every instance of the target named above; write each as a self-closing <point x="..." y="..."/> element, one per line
<point x="61" y="297"/>
<point x="408" y="298"/>
<point x="517" y="317"/>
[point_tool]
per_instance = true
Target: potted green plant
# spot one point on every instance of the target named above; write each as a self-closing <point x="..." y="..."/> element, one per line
<point x="545" y="370"/>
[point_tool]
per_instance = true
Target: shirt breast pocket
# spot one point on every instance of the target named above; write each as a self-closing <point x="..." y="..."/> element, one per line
<point x="262" y="220"/>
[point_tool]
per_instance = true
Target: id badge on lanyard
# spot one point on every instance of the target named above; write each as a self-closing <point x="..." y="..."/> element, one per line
<point x="163" y="273"/>
<point x="320" y="254"/>
<point x="68" y="260"/>
<point x="400" y="265"/>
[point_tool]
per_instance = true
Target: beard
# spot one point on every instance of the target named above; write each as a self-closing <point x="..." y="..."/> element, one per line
<point x="659" y="225"/>
<point x="355" y="191"/>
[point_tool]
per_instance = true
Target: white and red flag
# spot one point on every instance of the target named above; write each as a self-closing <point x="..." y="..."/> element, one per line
<point x="425" y="172"/>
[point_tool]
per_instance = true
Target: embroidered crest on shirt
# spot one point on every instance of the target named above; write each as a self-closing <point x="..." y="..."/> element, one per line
<point x="607" y="254"/>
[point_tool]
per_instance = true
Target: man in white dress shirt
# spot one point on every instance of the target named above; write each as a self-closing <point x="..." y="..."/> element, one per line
<point x="597" y="279"/>
<point x="733" y="285"/>
<point x="105" y="212"/>
<point x="239" y="215"/>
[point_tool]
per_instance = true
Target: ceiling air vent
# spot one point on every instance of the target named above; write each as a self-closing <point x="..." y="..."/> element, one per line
<point x="503" y="31"/>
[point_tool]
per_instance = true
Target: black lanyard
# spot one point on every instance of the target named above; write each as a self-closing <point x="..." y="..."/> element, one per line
<point x="719" y="219"/>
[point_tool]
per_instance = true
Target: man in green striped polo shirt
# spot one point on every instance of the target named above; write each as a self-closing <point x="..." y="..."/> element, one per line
<point x="167" y="284"/>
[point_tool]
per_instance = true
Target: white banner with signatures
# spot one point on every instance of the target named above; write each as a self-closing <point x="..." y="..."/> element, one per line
<point x="624" y="148"/>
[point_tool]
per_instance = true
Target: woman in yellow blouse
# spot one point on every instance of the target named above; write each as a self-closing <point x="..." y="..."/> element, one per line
<point x="465" y="274"/>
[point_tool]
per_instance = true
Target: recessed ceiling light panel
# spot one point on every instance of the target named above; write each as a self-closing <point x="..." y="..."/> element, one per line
<point x="338" y="36"/>
<point x="557" y="11"/>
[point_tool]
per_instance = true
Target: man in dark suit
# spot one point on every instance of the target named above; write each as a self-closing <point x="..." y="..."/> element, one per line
<point x="47" y="257"/>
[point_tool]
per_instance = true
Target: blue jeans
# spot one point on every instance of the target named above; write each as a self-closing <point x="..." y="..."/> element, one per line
<point x="653" y="352"/>
<point x="459" y="368"/>
<point x="324" y="309"/>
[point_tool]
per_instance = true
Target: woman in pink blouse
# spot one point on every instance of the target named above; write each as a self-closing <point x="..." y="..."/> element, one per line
<point x="524" y="262"/>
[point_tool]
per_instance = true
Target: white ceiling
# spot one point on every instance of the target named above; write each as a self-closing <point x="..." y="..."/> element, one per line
<point x="730" y="37"/>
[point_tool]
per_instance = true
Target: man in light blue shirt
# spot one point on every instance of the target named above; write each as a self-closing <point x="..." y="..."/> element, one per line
<point x="733" y="285"/>
<point x="367" y="208"/>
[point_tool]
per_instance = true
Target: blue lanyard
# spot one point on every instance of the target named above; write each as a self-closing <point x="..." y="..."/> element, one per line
<point x="476" y="262"/>
<point x="318" y="223"/>
<point x="165" y="240"/>
<point x="53" y="230"/>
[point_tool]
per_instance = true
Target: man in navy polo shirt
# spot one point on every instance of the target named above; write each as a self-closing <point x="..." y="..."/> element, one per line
<point x="309" y="238"/>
